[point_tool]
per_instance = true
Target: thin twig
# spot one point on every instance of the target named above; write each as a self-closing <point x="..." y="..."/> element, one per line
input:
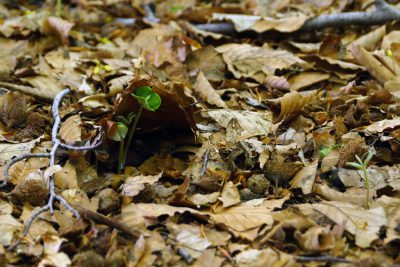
<point x="205" y="161"/>
<point x="322" y="259"/>
<point x="52" y="155"/>
<point x="383" y="13"/>
<point x="17" y="159"/>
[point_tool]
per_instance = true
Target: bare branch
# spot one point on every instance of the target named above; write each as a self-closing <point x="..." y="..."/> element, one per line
<point x="52" y="155"/>
<point x="383" y="13"/>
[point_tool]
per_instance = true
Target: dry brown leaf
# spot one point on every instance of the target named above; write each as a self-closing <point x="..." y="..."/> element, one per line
<point x="262" y="24"/>
<point x="305" y="178"/>
<point x="383" y="125"/>
<point x="70" y="130"/>
<point x="253" y="123"/>
<point x="306" y="79"/>
<point x="389" y="39"/>
<point x="59" y="27"/>
<point x="8" y="151"/>
<point x="244" y="60"/>
<point x="203" y="199"/>
<point x="59" y="259"/>
<point x="330" y="160"/>
<point x="265" y="257"/>
<point x="353" y="195"/>
<point x="9" y="225"/>
<point x="371" y="40"/>
<point x="205" y="90"/>
<point x="244" y="217"/>
<point x="277" y="82"/>
<point x="208" y="259"/>
<point x="67" y="177"/>
<point x="363" y="224"/>
<point x="134" y="185"/>
<point x="374" y="66"/>
<point x="118" y="84"/>
<point x="229" y="195"/>
<point x="294" y="101"/>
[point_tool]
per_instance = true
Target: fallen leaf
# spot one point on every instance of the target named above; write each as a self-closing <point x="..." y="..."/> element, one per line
<point x="59" y="27"/>
<point x="363" y="224"/>
<point x="229" y="195"/>
<point x="8" y="151"/>
<point x="8" y="227"/>
<point x="305" y="178"/>
<point x="70" y="130"/>
<point x="253" y="123"/>
<point x="133" y="185"/>
<point x="207" y="92"/>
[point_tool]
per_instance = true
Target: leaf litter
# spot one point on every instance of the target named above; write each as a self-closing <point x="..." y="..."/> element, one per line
<point x="245" y="163"/>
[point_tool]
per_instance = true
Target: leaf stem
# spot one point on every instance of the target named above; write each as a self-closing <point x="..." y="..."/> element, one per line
<point x="59" y="8"/>
<point x="366" y="182"/>
<point x="121" y="157"/>
<point x="130" y="136"/>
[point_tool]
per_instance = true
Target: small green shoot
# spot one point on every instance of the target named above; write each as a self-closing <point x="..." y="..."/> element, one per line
<point x="59" y="8"/>
<point x="148" y="100"/>
<point x="362" y="166"/>
<point x="327" y="149"/>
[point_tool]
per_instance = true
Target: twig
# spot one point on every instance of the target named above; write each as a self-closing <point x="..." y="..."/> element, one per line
<point x="52" y="155"/>
<point x="101" y="219"/>
<point x="205" y="161"/>
<point x="322" y="259"/>
<point x="383" y="13"/>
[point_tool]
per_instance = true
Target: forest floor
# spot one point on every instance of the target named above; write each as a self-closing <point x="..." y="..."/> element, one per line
<point x="263" y="136"/>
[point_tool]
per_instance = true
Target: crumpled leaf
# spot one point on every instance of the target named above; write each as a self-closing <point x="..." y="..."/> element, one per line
<point x="244" y="217"/>
<point x="363" y="224"/>
<point x="8" y="151"/>
<point x="262" y="24"/>
<point x="59" y="27"/>
<point x="9" y="225"/>
<point x="305" y="178"/>
<point x="294" y="101"/>
<point x="244" y="60"/>
<point x="265" y="257"/>
<point x="59" y="259"/>
<point x="133" y="185"/>
<point x="207" y="92"/>
<point x="229" y="195"/>
<point x="70" y="130"/>
<point x="373" y="65"/>
<point x="383" y="125"/>
<point x="253" y="123"/>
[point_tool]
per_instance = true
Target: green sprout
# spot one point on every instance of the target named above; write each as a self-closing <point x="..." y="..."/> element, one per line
<point x="362" y="166"/>
<point x="148" y="100"/>
<point x="59" y="8"/>
<point x="324" y="151"/>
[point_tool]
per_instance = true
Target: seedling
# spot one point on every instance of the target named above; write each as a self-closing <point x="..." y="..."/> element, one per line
<point x="323" y="152"/>
<point x="59" y="8"/>
<point x="362" y="166"/>
<point x="148" y="100"/>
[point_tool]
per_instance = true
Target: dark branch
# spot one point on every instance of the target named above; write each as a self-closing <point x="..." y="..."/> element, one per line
<point x="382" y="14"/>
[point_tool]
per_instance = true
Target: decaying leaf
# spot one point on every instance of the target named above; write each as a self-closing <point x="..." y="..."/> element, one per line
<point x="9" y="225"/>
<point x="305" y="178"/>
<point x="257" y="62"/>
<point x="207" y="92"/>
<point x="363" y="224"/>
<point x="8" y="151"/>
<point x="253" y="123"/>
<point x="133" y="185"/>
<point x="70" y="130"/>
